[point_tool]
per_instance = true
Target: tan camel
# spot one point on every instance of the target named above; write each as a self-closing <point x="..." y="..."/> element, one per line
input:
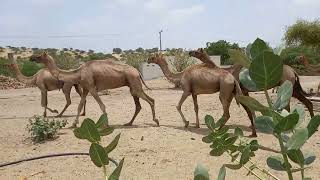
<point x="172" y="77"/>
<point x="203" y="79"/>
<point x="46" y="82"/>
<point x="98" y="75"/>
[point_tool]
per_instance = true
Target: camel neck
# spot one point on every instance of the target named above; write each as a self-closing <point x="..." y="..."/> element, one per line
<point x="206" y="59"/>
<point x="72" y="76"/>
<point x="166" y="71"/>
<point x="22" y="78"/>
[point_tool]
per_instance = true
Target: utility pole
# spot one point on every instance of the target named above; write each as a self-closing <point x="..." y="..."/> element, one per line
<point x="160" y="40"/>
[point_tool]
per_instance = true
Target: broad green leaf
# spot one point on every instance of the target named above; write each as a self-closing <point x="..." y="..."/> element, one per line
<point x="207" y="139"/>
<point x="284" y="113"/>
<point x="258" y="47"/>
<point x="106" y="131"/>
<point x="220" y="122"/>
<point x="238" y="57"/>
<point x="222" y="173"/>
<point x="217" y="151"/>
<point x="266" y="70"/>
<point x="284" y="95"/>
<point x="246" y="80"/>
<point x="89" y="130"/>
<point x="78" y="132"/>
<point x="252" y="103"/>
<point x="299" y="137"/>
<point x="103" y="120"/>
<point x="300" y="110"/>
<point x="254" y="146"/>
<point x="98" y="155"/>
<point x="201" y="173"/>
<point x="245" y="156"/>
<point x="287" y="123"/>
<point x="209" y="122"/>
<point x="264" y="124"/>
<point x="113" y="144"/>
<point x="296" y="156"/>
<point x="231" y="140"/>
<point x="309" y="158"/>
<point x="223" y="130"/>
<point x="313" y="125"/>
<point x="233" y="166"/>
<point x="238" y="132"/>
<point x="116" y="173"/>
<point x="276" y="163"/>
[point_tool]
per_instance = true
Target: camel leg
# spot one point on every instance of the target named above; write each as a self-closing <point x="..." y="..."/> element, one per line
<point x="196" y="109"/>
<point x="304" y="101"/>
<point x="138" y="108"/>
<point x="225" y="100"/>
<point x="251" y="117"/>
<point x="79" y="91"/>
<point x="80" y="106"/>
<point x="95" y="95"/>
<point x="66" y="91"/>
<point x="150" y="100"/>
<point x="44" y="102"/>
<point x="183" y="98"/>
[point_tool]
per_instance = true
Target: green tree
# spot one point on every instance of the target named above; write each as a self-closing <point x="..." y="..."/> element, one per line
<point x="140" y="50"/>
<point x="305" y="33"/>
<point x="221" y="48"/>
<point x="117" y="50"/>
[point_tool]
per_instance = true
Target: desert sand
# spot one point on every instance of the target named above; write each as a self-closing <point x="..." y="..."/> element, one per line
<point x="166" y="152"/>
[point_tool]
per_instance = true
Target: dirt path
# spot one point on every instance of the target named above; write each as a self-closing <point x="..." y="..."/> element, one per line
<point x="166" y="152"/>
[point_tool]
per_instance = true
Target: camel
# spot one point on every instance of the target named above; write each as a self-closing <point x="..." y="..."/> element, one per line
<point x="313" y="70"/>
<point x="46" y="82"/>
<point x="172" y="77"/>
<point x="98" y="75"/>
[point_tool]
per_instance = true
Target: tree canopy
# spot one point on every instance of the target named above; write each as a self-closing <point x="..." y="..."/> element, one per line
<point x="221" y="48"/>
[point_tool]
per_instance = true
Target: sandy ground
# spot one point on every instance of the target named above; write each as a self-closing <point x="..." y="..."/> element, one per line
<point x="166" y="152"/>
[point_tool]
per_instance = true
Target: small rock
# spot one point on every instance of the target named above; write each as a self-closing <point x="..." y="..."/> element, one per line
<point x="192" y="138"/>
<point x="141" y="138"/>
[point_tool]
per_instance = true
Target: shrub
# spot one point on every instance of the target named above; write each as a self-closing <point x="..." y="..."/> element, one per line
<point x="135" y="59"/>
<point x="29" y="68"/>
<point x="4" y="69"/>
<point x="221" y="48"/>
<point x="181" y="60"/>
<point x="66" y="61"/>
<point x="43" y="129"/>
<point x="117" y="50"/>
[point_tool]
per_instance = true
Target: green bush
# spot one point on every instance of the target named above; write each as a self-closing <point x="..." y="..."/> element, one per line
<point x="289" y="54"/>
<point x="66" y="61"/>
<point x="43" y="129"/>
<point x="135" y="59"/>
<point x="181" y="60"/>
<point x="221" y="48"/>
<point x="29" y="68"/>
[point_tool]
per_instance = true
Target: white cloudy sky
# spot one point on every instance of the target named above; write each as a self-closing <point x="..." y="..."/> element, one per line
<point x="102" y="25"/>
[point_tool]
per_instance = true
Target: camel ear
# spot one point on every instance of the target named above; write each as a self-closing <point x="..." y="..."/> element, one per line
<point x="45" y="53"/>
<point x="201" y="50"/>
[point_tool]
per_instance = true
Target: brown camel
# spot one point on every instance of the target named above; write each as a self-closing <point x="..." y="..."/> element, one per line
<point x="98" y="75"/>
<point x="172" y="77"/>
<point x="202" y="79"/>
<point x="46" y="82"/>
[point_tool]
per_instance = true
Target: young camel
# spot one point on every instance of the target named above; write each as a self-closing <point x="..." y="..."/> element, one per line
<point x="46" y="82"/>
<point x="98" y="75"/>
<point x="203" y="79"/>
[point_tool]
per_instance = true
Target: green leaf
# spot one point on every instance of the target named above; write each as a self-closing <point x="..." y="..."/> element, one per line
<point x="313" y="125"/>
<point x="246" y="80"/>
<point x="245" y="156"/>
<point x="238" y="57"/>
<point x="233" y="166"/>
<point x="113" y="144"/>
<point x="217" y="151"/>
<point x="276" y="163"/>
<point x="309" y="158"/>
<point x="296" y="156"/>
<point x="79" y="133"/>
<point x="238" y="132"/>
<point x="208" y="139"/>
<point x="103" y="120"/>
<point x="223" y="130"/>
<point x="220" y="122"/>
<point x="234" y="157"/>
<point x="264" y="124"/>
<point x="106" y="131"/>
<point x="266" y="70"/>
<point x="231" y="140"/>
<point x="209" y="122"/>
<point x="201" y="173"/>
<point x="299" y="137"/>
<point x="254" y="146"/>
<point x="252" y="103"/>
<point x="284" y="95"/>
<point x="257" y="48"/>
<point x="116" y="173"/>
<point x="98" y="155"/>
<point x="287" y="123"/>
<point x="222" y="173"/>
<point x="89" y="131"/>
<point x="300" y="110"/>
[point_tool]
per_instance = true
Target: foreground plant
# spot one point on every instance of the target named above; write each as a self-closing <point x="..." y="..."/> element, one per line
<point x="42" y="128"/>
<point x="99" y="155"/>
<point x="264" y="70"/>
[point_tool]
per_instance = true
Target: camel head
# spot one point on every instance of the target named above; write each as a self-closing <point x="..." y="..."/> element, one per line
<point x="41" y="58"/>
<point x="13" y="63"/>
<point x="157" y="58"/>
<point x="303" y="60"/>
<point x="200" y="53"/>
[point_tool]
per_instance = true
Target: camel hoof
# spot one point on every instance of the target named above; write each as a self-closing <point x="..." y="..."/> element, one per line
<point x="157" y="122"/>
<point x="197" y="126"/>
<point x="83" y="114"/>
<point x="128" y="124"/>
<point x="253" y="135"/>
<point x="55" y="111"/>
<point x="186" y="124"/>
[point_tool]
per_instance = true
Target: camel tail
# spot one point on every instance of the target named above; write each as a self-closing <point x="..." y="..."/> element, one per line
<point x="144" y="83"/>
<point x="237" y="90"/>
<point x="298" y="85"/>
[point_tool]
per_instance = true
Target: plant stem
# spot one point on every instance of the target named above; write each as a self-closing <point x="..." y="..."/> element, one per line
<point x="302" y="171"/>
<point x="264" y="170"/>
<point x="285" y="157"/>
<point x="268" y="98"/>
<point x="104" y="171"/>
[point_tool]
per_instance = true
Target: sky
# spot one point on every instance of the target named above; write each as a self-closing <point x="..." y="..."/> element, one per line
<point x="129" y="24"/>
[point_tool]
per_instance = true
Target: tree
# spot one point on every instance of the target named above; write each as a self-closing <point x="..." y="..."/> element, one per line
<point x="140" y="50"/>
<point x="221" y="48"/>
<point x="303" y="33"/>
<point x="117" y="50"/>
